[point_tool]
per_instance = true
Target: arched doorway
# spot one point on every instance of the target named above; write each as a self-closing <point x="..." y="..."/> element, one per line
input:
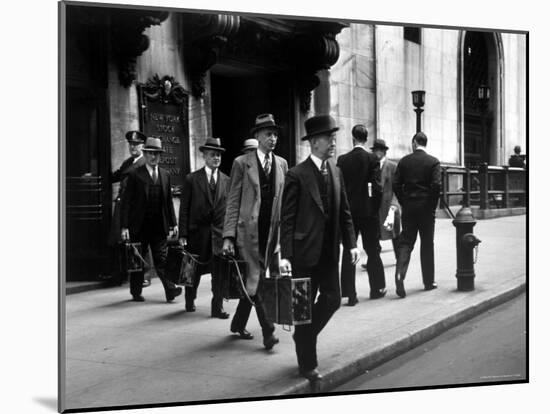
<point x="481" y="65"/>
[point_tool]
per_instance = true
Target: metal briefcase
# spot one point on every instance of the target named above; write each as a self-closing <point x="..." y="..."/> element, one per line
<point x="287" y="300"/>
<point x="232" y="285"/>
<point x="181" y="266"/>
<point x="130" y="257"/>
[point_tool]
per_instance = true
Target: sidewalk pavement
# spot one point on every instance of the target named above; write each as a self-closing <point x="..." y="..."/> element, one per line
<point x="127" y="353"/>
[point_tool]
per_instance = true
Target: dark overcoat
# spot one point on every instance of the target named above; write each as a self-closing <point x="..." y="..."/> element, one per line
<point x="303" y="217"/>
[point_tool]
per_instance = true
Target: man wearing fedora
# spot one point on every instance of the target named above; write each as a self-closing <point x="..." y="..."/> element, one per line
<point x="135" y="143"/>
<point x="249" y="145"/>
<point x="251" y="227"/>
<point x="416" y="183"/>
<point x="202" y="211"/>
<point x="315" y="216"/>
<point x="389" y="212"/>
<point x="361" y="172"/>
<point x="147" y="216"/>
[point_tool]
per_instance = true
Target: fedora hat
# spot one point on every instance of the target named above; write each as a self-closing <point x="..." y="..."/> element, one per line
<point x="153" y="145"/>
<point x="213" y="144"/>
<point x="251" y="143"/>
<point x="135" y="137"/>
<point x="321" y="124"/>
<point x="379" y="144"/>
<point x="264" y="121"/>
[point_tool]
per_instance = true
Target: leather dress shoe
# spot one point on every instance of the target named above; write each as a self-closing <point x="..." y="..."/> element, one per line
<point x="430" y="286"/>
<point x="190" y="306"/>
<point x="221" y="314"/>
<point x="400" y="288"/>
<point x="243" y="334"/>
<point x="377" y="294"/>
<point x="172" y="293"/>
<point x="138" y="298"/>
<point x="352" y="301"/>
<point x="270" y="341"/>
<point x="146" y="283"/>
<point x="312" y="374"/>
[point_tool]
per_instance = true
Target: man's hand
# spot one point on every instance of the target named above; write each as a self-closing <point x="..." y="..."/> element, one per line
<point x="228" y="247"/>
<point x="285" y="267"/>
<point x="183" y="241"/>
<point x="174" y="232"/>
<point x="354" y="255"/>
<point x="124" y="234"/>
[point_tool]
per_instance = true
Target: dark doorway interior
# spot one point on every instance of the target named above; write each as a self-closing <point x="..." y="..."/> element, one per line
<point x="87" y="151"/>
<point x="477" y="124"/>
<point x="236" y="101"/>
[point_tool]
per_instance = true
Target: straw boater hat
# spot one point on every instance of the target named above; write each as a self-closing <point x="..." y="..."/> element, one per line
<point x="213" y="144"/>
<point x="251" y="143"/>
<point x="321" y="124"/>
<point x="135" y="137"/>
<point x="379" y="144"/>
<point x="153" y="145"/>
<point x="264" y="121"/>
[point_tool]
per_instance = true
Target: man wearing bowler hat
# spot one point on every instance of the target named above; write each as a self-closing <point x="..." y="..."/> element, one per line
<point x="202" y="211"/>
<point x="361" y="172"/>
<point x="416" y="183"/>
<point x="135" y="143"/>
<point x="315" y="216"/>
<point x="252" y="216"/>
<point x="147" y="216"/>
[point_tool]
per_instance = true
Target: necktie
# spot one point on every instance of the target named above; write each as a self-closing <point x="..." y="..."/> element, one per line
<point x="267" y="164"/>
<point x="155" y="175"/>
<point x="324" y="171"/>
<point x="212" y="182"/>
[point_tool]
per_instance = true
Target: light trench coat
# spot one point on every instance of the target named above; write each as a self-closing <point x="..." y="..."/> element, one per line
<point x="243" y="209"/>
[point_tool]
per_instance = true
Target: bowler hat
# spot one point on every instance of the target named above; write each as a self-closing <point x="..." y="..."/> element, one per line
<point x="212" y="144"/>
<point x="251" y="143"/>
<point x="264" y="121"/>
<point x="135" y="137"/>
<point x="153" y="145"/>
<point x="321" y="124"/>
<point x="379" y="144"/>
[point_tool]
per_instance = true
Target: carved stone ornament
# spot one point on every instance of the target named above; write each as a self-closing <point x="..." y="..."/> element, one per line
<point x="128" y="40"/>
<point x="208" y="33"/>
<point x="165" y="90"/>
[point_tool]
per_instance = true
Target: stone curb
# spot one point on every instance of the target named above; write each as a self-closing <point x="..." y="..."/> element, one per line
<point x="346" y="371"/>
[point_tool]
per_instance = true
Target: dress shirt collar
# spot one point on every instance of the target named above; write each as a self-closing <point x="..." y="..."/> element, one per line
<point x="261" y="155"/>
<point x="317" y="161"/>
<point x="151" y="169"/>
<point x="360" y="146"/>
<point x="421" y="148"/>
<point x="137" y="158"/>
<point x="209" y="173"/>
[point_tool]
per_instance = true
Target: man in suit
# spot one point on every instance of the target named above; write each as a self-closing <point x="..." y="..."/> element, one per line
<point x="516" y="160"/>
<point x="252" y="220"/>
<point x="416" y="184"/>
<point x="361" y="173"/>
<point x="202" y="211"/>
<point x="135" y="143"/>
<point x="315" y="215"/>
<point x="389" y="214"/>
<point x="147" y="216"/>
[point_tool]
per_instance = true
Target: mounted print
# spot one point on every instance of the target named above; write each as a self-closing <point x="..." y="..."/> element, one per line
<point x="259" y="207"/>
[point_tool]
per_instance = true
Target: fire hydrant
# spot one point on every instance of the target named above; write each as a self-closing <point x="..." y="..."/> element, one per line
<point x="466" y="242"/>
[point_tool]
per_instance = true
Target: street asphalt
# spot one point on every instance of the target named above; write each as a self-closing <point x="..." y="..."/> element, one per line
<point x="120" y="352"/>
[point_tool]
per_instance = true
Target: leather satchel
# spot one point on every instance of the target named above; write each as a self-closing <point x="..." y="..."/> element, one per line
<point x="287" y="300"/>
<point x="130" y="259"/>
<point x="181" y="266"/>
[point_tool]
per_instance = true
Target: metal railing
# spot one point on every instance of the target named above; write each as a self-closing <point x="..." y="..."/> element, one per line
<point x="488" y="187"/>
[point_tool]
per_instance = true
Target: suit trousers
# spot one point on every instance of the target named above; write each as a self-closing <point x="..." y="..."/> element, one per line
<point x="324" y="279"/>
<point x="240" y="319"/>
<point x="369" y="228"/>
<point x="217" y="300"/>
<point x="151" y="237"/>
<point x="418" y="217"/>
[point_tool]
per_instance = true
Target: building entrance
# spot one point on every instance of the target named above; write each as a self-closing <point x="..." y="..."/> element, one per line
<point x="237" y="98"/>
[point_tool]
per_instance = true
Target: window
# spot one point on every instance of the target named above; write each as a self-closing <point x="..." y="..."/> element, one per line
<point x="412" y="34"/>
